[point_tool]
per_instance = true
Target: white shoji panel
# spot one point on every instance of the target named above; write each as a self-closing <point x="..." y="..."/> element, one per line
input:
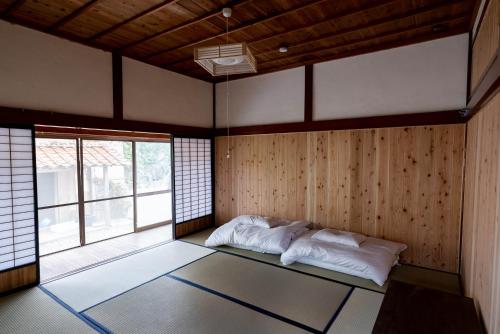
<point x="193" y="178"/>
<point x="17" y="201"/>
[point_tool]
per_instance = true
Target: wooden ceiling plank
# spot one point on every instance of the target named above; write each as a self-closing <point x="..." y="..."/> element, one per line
<point x="392" y="19"/>
<point x="208" y="15"/>
<point x="372" y="6"/>
<point x="241" y="27"/>
<point x="373" y="24"/>
<point x="138" y="16"/>
<point x="13" y="6"/>
<point x="374" y="38"/>
<point x="82" y="10"/>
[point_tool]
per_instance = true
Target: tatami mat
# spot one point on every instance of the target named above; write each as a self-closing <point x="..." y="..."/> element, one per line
<point x="33" y="311"/>
<point x="172" y="307"/>
<point x="359" y="314"/>
<point x="85" y="289"/>
<point x="410" y="274"/>
<point x="305" y="299"/>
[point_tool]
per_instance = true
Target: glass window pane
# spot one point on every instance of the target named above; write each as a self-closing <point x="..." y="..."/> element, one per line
<point x="107" y="169"/>
<point x="154" y="209"/>
<point x="58" y="229"/>
<point x="56" y="171"/>
<point x="106" y="219"/>
<point x="153" y="166"/>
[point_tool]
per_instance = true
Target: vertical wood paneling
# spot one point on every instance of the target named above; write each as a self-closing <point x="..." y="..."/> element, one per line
<point x="18" y="278"/>
<point x="403" y="184"/>
<point x="193" y="226"/>
<point x="481" y="223"/>
<point x="487" y="42"/>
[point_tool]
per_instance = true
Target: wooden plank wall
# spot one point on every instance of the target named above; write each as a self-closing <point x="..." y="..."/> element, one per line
<point x="486" y="44"/>
<point x="480" y="268"/>
<point x="193" y="226"/>
<point x="17" y="278"/>
<point x="402" y="184"/>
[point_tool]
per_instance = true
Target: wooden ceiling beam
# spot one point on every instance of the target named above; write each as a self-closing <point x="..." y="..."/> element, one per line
<point x="12" y="7"/>
<point x="79" y="11"/>
<point x="374" y="38"/>
<point x="206" y="16"/>
<point x="241" y="27"/>
<point x="372" y="6"/>
<point x="138" y="16"/>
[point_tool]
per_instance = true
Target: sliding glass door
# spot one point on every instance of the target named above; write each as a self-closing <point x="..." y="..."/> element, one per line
<point x="153" y="179"/>
<point x="56" y="165"/>
<point x="91" y="189"/>
<point x="107" y="187"/>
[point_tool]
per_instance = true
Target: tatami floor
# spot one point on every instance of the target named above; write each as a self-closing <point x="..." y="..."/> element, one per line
<point x="182" y="287"/>
<point x="62" y="263"/>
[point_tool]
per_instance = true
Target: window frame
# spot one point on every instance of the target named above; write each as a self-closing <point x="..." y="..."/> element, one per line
<point x="100" y="135"/>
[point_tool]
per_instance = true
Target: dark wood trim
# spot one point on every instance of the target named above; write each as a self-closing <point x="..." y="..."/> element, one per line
<point x="239" y="27"/>
<point x="469" y="66"/>
<point x="214" y="106"/>
<point x="15" y="5"/>
<point x="206" y="16"/>
<point x="117" y="86"/>
<point x="486" y="87"/>
<point x="140" y="15"/>
<point x="29" y="116"/>
<point x="475" y="12"/>
<point x="402" y="120"/>
<point x="340" y="32"/>
<point x="69" y="132"/>
<point x="308" y="93"/>
<point x="79" y="11"/>
<point x="486" y="4"/>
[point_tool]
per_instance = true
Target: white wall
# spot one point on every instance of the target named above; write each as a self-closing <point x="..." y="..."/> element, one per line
<point x="43" y="72"/>
<point x="430" y="76"/>
<point x="156" y="95"/>
<point x="265" y="99"/>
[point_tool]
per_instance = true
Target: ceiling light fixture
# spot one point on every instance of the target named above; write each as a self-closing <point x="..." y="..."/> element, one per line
<point x="283" y="49"/>
<point x="226" y="59"/>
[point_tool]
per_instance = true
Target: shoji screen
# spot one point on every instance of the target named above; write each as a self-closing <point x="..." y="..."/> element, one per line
<point x="17" y="200"/>
<point x="192" y="178"/>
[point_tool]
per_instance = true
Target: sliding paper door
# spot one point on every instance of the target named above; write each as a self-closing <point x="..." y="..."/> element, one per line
<point x="192" y="179"/>
<point x="17" y="199"/>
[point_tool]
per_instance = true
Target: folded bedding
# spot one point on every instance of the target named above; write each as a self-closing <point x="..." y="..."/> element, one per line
<point x="340" y="237"/>
<point x="373" y="259"/>
<point x="242" y="232"/>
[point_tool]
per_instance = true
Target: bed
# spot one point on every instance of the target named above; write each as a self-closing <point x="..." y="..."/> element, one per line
<point x="373" y="259"/>
<point x="256" y="233"/>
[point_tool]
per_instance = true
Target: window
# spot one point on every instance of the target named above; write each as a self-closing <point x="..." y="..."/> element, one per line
<point x="17" y="200"/>
<point x="153" y="180"/>
<point x="90" y="189"/>
<point x="193" y="179"/>
<point x="56" y="168"/>
<point x="107" y="184"/>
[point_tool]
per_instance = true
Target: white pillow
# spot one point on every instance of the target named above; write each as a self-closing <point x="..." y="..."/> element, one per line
<point x="267" y="222"/>
<point x="339" y="237"/>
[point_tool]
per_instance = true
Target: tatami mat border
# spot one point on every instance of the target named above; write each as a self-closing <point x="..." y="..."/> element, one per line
<point x="245" y="304"/>
<point x="284" y="267"/>
<point x="103" y="330"/>
<point x="91" y="322"/>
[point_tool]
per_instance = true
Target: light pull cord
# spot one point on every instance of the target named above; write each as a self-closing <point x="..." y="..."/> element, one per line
<point x="228" y="155"/>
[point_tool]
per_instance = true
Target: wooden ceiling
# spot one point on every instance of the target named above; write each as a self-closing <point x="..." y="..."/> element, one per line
<point x="164" y="33"/>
